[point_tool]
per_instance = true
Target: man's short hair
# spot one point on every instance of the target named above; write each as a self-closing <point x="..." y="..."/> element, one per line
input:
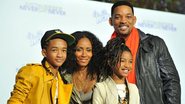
<point x="119" y="3"/>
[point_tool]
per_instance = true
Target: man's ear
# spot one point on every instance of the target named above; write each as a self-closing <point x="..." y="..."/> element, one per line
<point x="135" y="19"/>
<point x="44" y="52"/>
<point x="110" y="21"/>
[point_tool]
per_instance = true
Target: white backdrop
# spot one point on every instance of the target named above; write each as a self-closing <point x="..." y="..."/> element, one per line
<point x="23" y="22"/>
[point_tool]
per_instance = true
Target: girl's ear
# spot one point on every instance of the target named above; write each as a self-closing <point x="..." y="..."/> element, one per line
<point x="44" y="53"/>
<point x="109" y="62"/>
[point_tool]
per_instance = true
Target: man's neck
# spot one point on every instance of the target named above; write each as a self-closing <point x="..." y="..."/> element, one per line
<point x="124" y="36"/>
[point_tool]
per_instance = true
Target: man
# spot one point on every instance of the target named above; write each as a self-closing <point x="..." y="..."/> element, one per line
<point x="41" y="83"/>
<point x="153" y="71"/>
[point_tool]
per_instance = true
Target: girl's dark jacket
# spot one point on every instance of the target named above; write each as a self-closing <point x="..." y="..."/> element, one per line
<point x="157" y="78"/>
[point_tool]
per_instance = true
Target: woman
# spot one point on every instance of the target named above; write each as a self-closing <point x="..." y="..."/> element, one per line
<point x="82" y="66"/>
<point x="116" y="65"/>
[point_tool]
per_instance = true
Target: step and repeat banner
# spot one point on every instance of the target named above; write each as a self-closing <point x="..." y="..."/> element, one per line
<point x="23" y="23"/>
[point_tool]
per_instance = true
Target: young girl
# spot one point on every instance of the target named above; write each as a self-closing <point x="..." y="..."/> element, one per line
<point x="115" y="89"/>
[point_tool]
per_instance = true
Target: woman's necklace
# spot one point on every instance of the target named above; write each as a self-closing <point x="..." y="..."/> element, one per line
<point x="79" y="82"/>
<point x="122" y="93"/>
<point x="82" y="82"/>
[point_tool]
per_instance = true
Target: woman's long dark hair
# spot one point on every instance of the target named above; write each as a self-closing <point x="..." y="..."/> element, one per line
<point x="112" y="54"/>
<point x="93" y="66"/>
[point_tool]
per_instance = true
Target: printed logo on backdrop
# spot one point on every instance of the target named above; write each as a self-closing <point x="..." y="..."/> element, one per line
<point x="35" y="7"/>
<point x="34" y="38"/>
<point x="101" y="16"/>
<point x="157" y="25"/>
